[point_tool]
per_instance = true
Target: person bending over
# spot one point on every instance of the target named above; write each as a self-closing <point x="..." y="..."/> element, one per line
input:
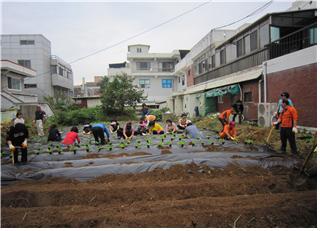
<point x="155" y="128"/>
<point x="54" y="134"/>
<point x="71" y="137"/>
<point x="171" y="127"/>
<point x="114" y="127"/>
<point x="128" y="131"/>
<point x="99" y="131"/>
<point x="17" y="139"/>
<point x="229" y="131"/>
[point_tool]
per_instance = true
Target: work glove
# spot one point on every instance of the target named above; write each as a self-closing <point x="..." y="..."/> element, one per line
<point x="24" y="144"/>
<point x="295" y="129"/>
<point x="11" y="147"/>
<point x="275" y="123"/>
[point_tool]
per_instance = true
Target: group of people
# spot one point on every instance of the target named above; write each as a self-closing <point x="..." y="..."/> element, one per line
<point x="285" y="119"/>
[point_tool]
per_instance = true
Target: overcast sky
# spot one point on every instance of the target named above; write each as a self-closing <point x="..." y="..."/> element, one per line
<point x="77" y="29"/>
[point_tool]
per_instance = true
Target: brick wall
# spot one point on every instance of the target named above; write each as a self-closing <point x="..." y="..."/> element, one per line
<point x="301" y="83"/>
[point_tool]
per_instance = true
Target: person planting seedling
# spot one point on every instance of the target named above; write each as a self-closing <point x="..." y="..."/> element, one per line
<point x="155" y="128"/>
<point x="229" y="132"/>
<point x="192" y="131"/>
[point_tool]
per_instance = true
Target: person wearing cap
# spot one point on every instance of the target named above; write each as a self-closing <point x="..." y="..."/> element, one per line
<point x="229" y="131"/>
<point x="99" y="131"/>
<point x="283" y="96"/>
<point x="225" y="115"/>
<point x="150" y="118"/>
<point x="288" y="127"/>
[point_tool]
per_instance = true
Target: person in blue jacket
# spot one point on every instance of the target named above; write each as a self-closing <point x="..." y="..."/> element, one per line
<point x="99" y="131"/>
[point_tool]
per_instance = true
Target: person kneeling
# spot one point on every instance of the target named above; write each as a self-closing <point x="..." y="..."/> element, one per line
<point x="155" y="128"/>
<point x="71" y="137"/>
<point x="192" y="131"/>
<point x="229" y="131"/>
<point x="17" y="138"/>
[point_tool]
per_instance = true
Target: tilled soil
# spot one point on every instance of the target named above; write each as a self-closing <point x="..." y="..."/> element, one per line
<point x="182" y="196"/>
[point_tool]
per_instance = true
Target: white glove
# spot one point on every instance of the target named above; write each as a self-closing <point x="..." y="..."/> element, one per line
<point x="24" y="144"/>
<point x="295" y="129"/>
<point x="275" y="123"/>
<point x="11" y="147"/>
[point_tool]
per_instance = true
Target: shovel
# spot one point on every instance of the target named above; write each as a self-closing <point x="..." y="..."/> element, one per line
<point x="299" y="179"/>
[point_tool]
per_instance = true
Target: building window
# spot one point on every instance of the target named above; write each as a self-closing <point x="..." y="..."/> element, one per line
<point x="253" y="41"/>
<point x="25" y="63"/>
<point x="26" y="42"/>
<point x="240" y="47"/>
<point x="167" y="83"/>
<point x="213" y="61"/>
<point x="167" y="66"/>
<point x="200" y="68"/>
<point x="247" y="96"/>
<point x="144" y="83"/>
<point x="189" y="72"/>
<point x="313" y="35"/>
<point x="54" y="69"/>
<point x="60" y="71"/>
<point x="14" y="84"/>
<point x="220" y="99"/>
<point x="223" y="56"/>
<point x="183" y="82"/>
<point x="30" y="86"/>
<point x="143" y="65"/>
<point x="139" y="50"/>
<point x="274" y="33"/>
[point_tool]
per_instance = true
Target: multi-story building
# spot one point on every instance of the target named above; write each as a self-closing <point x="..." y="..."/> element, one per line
<point x="153" y="72"/>
<point x="118" y="69"/>
<point x="88" y="94"/>
<point x="54" y="76"/>
<point x="275" y="53"/>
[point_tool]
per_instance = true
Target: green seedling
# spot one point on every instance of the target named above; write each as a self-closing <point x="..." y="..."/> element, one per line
<point x="192" y="143"/>
<point x="138" y="141"/>
<point x="59" y="149"/>
<point x="87" y="148"/>
<point x="122" y="145"/>
<point x="160" y="144"/>
<point x="182" y="143"/>
<point x="208" y="137"/>
<point x="50" y="150"/>
<point x="248" y="141"/>
<point x="148" y="145"/>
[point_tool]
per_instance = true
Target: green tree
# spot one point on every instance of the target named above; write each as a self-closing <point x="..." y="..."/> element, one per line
<point x="120" y="95"/>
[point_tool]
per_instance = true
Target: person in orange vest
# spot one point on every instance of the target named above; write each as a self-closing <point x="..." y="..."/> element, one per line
<point x="224" y="116"/>
<point x="229" y="131"/>
<point x="288" y="127"/>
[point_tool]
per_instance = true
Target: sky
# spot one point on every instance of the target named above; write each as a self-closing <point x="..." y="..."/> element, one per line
<point x="77" y="29"/>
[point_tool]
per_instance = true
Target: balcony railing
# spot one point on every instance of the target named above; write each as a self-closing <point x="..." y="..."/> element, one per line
<point x="242" y="63"/>
<point x="297" y="40"/>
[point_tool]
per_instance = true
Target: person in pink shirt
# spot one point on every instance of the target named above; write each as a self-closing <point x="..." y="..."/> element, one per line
<point x="71" y="137"/>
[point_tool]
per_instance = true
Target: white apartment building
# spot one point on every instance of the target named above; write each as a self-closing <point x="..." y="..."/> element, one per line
<point x="153" y="72"/>
<point x="54" y="76"/>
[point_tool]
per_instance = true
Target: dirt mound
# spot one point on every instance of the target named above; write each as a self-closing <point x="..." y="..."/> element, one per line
<point x="182" y="196"/>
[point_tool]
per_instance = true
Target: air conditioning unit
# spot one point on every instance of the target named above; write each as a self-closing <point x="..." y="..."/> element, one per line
<point x="265" y="113"/>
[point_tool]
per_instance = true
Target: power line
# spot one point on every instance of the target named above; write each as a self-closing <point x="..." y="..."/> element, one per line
<point x="143" y="32"/>
<point x="164" y="23"/>
<point x="249" y="15"/>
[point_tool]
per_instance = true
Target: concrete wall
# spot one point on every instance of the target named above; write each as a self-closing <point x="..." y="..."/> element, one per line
<point x="156" y="93"/>
<point x="39" y="54"/>
<point x="93" y="103"/>
<point x="298" y="76"/>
